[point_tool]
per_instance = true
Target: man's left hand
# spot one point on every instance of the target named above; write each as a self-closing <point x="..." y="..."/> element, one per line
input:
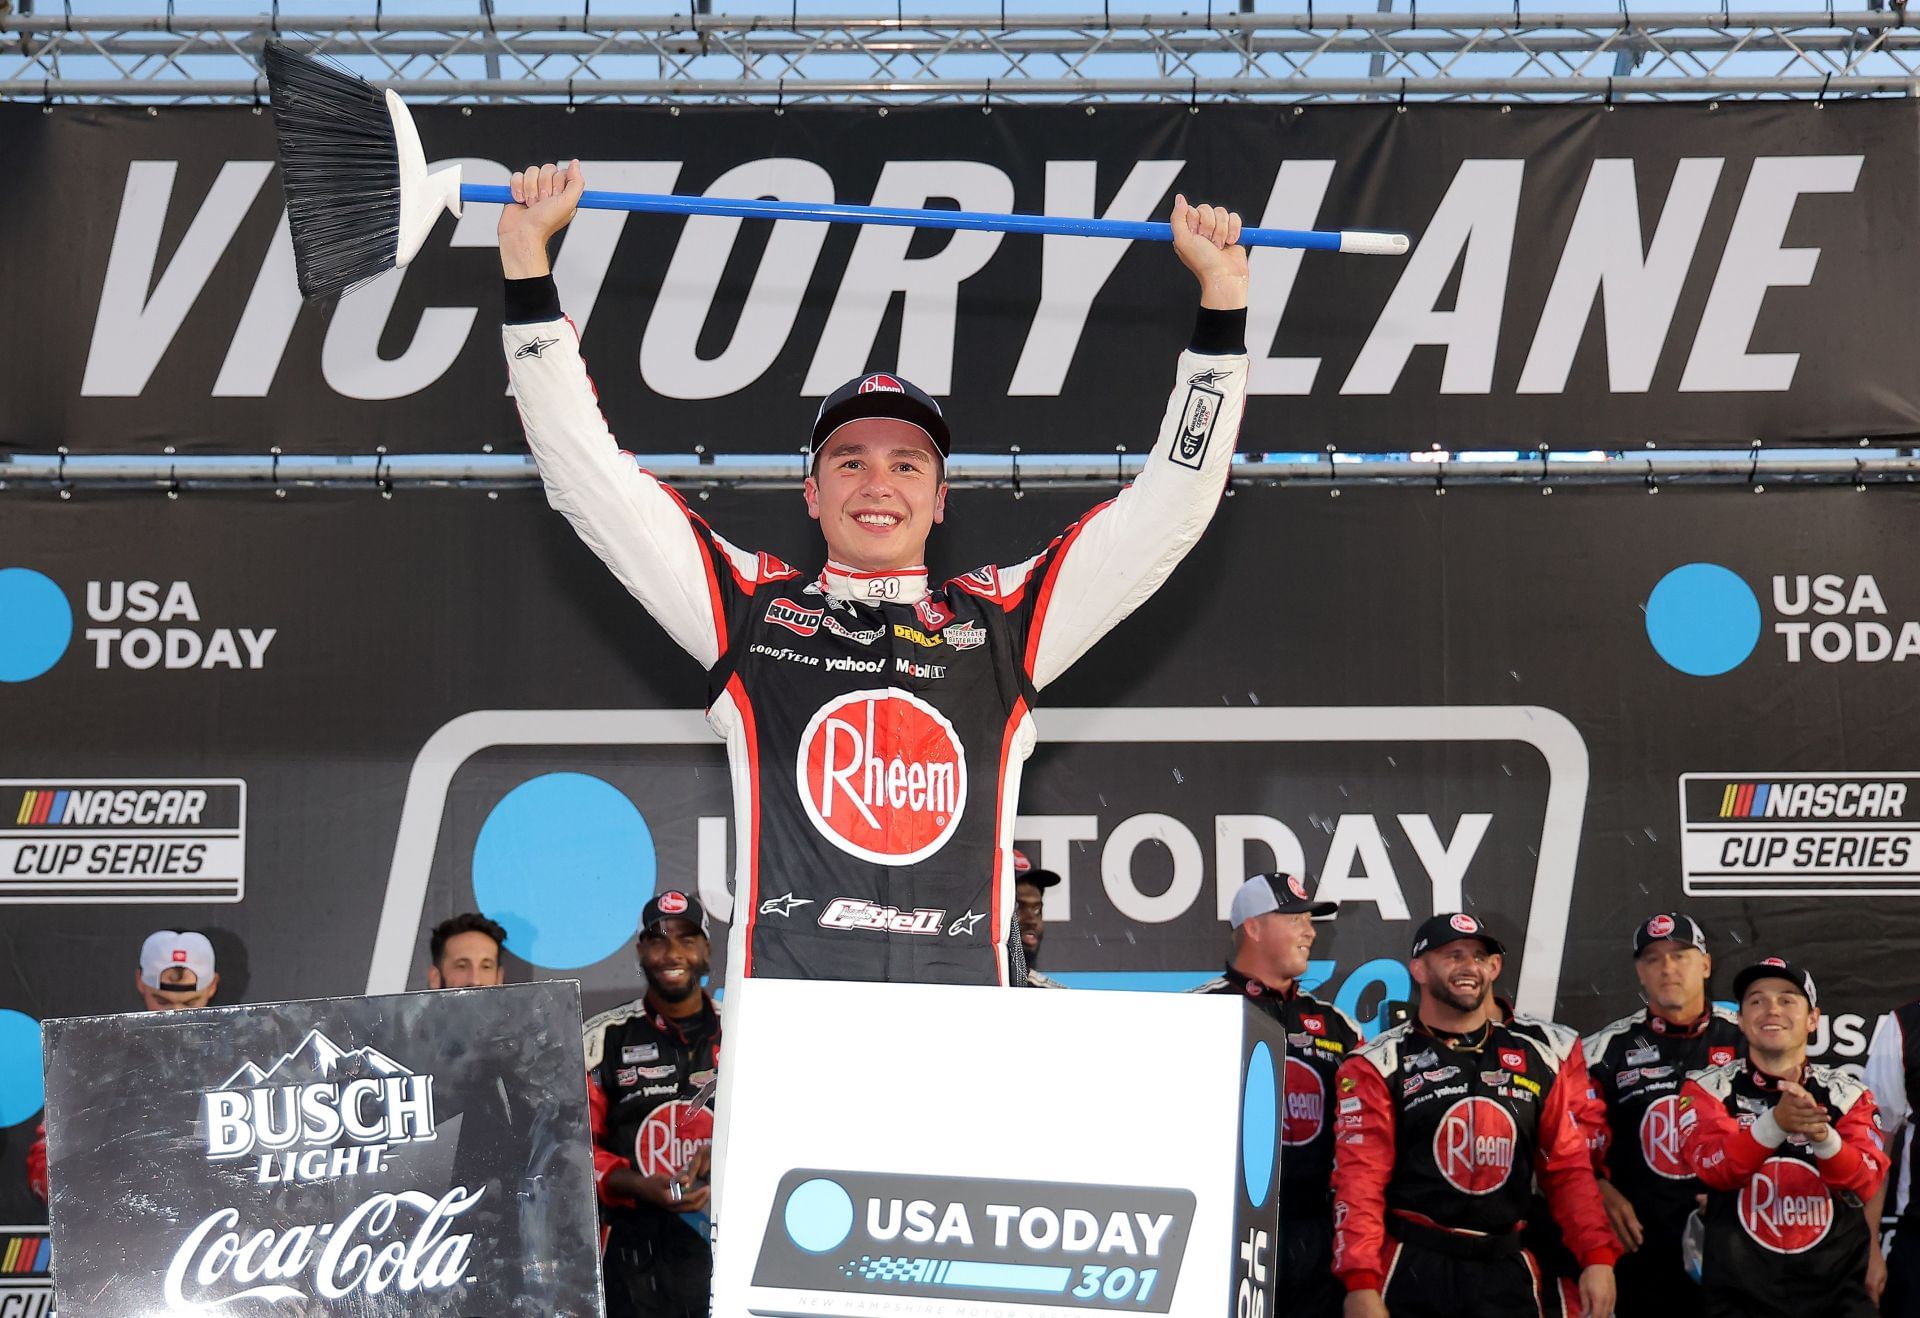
<point x="1207" y="241"/>
<point x="1596" y="1291"/>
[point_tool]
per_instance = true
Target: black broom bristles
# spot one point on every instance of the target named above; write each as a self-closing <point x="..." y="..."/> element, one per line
<point x="340" y="168"/>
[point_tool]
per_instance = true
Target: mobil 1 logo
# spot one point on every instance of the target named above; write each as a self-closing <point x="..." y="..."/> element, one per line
<point x="975" y="1241"/>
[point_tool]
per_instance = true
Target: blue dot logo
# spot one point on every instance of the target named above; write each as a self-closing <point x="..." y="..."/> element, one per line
<point x="36" y="623"/>
<point x="1703" y="619"/>
<point x="1259" y="1123"/>
<point x="22" y="1092"/>
<point x="564" y="862"/>
<point x="819" y="1215"/>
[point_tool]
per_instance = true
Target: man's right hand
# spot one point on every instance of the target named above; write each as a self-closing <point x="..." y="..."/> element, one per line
<point x="657" y="1191"/>
<point x="1626" y="1222"/>
<point x="544" y="199"/>
<point x="1365" y="1304"/>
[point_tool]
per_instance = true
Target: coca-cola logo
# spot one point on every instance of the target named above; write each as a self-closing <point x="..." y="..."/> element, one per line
<point x="1306" y="1104"/>
<point x="1785" y="1206"/>
<point x="1660" y="1140"/>
<point x="670" y="1136"/>
<point x="883" y="776"/>
<point x="1474" y="1145"/>
<point x="363" y="1254"/>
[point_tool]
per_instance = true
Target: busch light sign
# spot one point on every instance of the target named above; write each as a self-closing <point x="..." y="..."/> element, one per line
<point x="420" y="1154"/>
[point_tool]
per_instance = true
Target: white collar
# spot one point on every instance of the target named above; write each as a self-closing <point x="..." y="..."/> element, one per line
<point x="905" y="586"/>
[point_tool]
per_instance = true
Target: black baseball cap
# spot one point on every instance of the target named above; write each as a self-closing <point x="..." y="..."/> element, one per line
<point x="1025" y="871"/>
<point x="674" y="905"/>
<point x="1775" y="968"/>
<point x="1668" y="926"/>
<point x="881" y="393"/>
<point x="1450" y="927"/>
<point x="1275" y="894"/>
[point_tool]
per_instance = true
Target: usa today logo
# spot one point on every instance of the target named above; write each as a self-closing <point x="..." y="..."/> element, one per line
<point x="37" y="624"/>
<point x="1705" y="620"/>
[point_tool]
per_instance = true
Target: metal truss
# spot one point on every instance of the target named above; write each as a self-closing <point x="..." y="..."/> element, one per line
<point x="796" y="59"/>
<point x="174" y="476"/>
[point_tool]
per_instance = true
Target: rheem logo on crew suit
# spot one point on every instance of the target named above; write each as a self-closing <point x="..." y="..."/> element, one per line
<point x="1661" y="1137"/>
<point x="1473" y="1146"/>
<point x="1786" y="1207"/>
<point x="883" y="776"/>
<point x="1306" y="1104"/>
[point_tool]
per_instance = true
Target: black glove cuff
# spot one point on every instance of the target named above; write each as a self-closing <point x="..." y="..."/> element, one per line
<point x="530" y="301"/>
<point x="1217" y="333"/>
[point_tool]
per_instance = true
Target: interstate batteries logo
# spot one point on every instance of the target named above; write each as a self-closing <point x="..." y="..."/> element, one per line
<point x="121" y="840"/>
<point x="1824" y="834"/>
<point x="1102" y="1248"/>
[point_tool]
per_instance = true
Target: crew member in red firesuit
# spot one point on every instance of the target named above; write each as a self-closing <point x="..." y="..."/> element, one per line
<point x="652" y="1068"/>
<point x="1272" y="917"/>
<point x="1789" y="1152"/>
<point x="1439" y="1121"/>
<point x="1638" y="1065"/>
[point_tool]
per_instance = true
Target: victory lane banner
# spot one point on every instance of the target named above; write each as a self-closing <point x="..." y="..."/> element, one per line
<point x="1581" y="277"/>
<point x="419" y="1154"/>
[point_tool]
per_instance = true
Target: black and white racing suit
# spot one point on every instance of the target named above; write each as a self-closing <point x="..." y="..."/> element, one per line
<point x="876" y="723"/>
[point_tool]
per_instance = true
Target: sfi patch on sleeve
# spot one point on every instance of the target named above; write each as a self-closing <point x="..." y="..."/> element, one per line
<point x="1197" y="420"/>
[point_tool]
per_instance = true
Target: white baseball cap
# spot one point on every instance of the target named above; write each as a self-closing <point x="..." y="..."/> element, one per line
<point x="165" y="949"/>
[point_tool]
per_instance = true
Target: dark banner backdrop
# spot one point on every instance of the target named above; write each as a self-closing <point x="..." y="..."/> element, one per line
<point x="1491" y="698"/>
<point x="1583" y="277"/>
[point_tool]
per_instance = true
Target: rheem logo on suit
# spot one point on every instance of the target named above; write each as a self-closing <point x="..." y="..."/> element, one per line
<point x="1826" y="834"/>
<point x="120" y="840"/>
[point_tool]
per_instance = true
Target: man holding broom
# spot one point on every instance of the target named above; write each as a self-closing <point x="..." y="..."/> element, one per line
<point x="876" y="723"/>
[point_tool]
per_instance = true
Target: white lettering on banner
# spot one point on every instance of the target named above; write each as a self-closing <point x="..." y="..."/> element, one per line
<point x="1294" y="203"/>
<point x="351" y="1263"/>
<point x="350" y="358"/>
<point x="1116" y="868"/>
<point x="132" y="329"/>
<point x="1056" y="835"/>
<point x="260" y="341"/>
<point x="1074" y="270"/>
<point x="880" y="267"/>
<point x="1472" y="229"/>
<point x="1356" y="839"/>
<point x="1754" y="261"/>
<point x="1604" y="259"/>
<point x="169" y="647"/>
<point x="1231" y="833"/>
<point x="670" y="360"/>
<point x="1446" y="863"/>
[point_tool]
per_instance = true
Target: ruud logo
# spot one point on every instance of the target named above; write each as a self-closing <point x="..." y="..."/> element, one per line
<point x="1092" y="1247"/>
<point x="1809" y="834"/>
<point x="84" y="841"/>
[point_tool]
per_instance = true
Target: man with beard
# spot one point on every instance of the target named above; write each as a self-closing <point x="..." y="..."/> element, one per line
<point x="1789" y="1151"/>
<point x="464" y="952"/>
<point x="1440" y="1121"/>
<point x="652" y="1067"/>
<point x="1638" y="1065"/>
<point x="1273" y="935"/>
<point x="1030" y="885"/>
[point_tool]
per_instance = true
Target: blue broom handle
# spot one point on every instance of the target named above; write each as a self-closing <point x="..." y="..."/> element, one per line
<point x="909" y="217"/>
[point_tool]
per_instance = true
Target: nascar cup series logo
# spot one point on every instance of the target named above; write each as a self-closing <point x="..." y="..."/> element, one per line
<point x="1660" y="1138"/>
<point x="1786" y="1207"/>
<point x="1306" y="1104"/>
<point x="321" y="1113"/>
<point x="882" y="775"/>
<point x="1474" y="1146"/>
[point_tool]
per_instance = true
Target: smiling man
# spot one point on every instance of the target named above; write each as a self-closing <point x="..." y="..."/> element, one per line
<point x="1273" y="935"/>
<point x="1789" y="1151"/>
<point x="876" y="722"/>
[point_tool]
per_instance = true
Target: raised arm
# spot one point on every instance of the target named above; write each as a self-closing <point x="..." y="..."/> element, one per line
<point x="665" y="555"/>
<point x="1107" y="564"/>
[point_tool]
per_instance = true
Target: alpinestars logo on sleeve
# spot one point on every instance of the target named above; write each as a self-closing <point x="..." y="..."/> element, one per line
<point x="533" y="348"/>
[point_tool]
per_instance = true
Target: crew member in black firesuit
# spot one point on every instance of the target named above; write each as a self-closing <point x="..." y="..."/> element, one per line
<point x="1439" y="1122"/>
<point x="652" y="1068"/>
<point x="1638" y="1065"/>
<point x="1893" y="1074"/>
<point x="1789" y="1152"/>
<point x="1272" y="918"/>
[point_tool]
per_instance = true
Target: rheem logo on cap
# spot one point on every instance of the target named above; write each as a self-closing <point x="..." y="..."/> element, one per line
<point x="880" y="384"/>
<point x="1465" y="924"/>
<point x="1660" y="926"/>
<point x="180" y="955"/>
<point x="1773" y="961"/>
<point x="1296" y="886"/>
<point x="673" y="903"/>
